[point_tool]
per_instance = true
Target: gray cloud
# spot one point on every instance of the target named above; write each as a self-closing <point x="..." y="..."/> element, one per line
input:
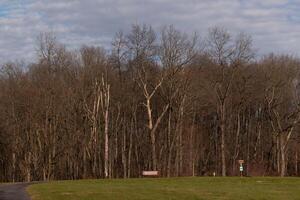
<point x="274" y="24"/>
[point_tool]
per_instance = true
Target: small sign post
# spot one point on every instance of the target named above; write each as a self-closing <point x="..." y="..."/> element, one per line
<point x="241" y="162"/>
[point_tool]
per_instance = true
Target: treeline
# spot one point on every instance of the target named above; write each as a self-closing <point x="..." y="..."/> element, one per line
<point x="164" y="101"/>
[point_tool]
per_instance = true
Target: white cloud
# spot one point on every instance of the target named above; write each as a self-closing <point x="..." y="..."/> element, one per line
<point x="273" y="24"/>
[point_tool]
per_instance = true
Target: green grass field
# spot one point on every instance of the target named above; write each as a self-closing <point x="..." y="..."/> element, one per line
<point x="201" y="188"/>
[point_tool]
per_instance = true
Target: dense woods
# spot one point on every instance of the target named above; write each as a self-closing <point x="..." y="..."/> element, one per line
<point x="156" y="100"/>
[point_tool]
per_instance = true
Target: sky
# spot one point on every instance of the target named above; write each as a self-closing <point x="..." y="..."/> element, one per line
<point x="273" y="24"/>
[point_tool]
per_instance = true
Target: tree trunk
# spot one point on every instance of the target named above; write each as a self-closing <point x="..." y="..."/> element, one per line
<point x="84" y="164"/>
<point x="106" y="150"/>
<point x="237" y="144"/>
<point x="13" y="167"/>
<point x="153" y="145"/>
<point x="169" y="146"/>
<point x="124" y="159"/>
<point x="105" y="106"/>
<point x="296" y="161"/>
<point x="223" y="156"/>
<point x="28" y="163"/>
<point x="130" y="148"/>
<point x="191" y="148"/>
<point x="278" y="154"/>
<point x="282" y="156"/>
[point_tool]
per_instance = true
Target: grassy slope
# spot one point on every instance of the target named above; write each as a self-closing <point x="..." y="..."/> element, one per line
<point x="173" y="188"/>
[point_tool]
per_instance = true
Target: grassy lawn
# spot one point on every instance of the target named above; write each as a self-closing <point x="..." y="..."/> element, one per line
<point x="201" y="188"/>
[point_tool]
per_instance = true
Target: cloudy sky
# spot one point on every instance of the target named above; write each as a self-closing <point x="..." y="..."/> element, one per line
<point x="273" y="24"/>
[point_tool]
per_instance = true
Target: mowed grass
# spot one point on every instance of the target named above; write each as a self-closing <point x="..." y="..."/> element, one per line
<point x="202" y="188"/>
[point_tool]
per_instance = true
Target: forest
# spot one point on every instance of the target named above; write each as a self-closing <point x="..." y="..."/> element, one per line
<point x="161" y="100"/>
